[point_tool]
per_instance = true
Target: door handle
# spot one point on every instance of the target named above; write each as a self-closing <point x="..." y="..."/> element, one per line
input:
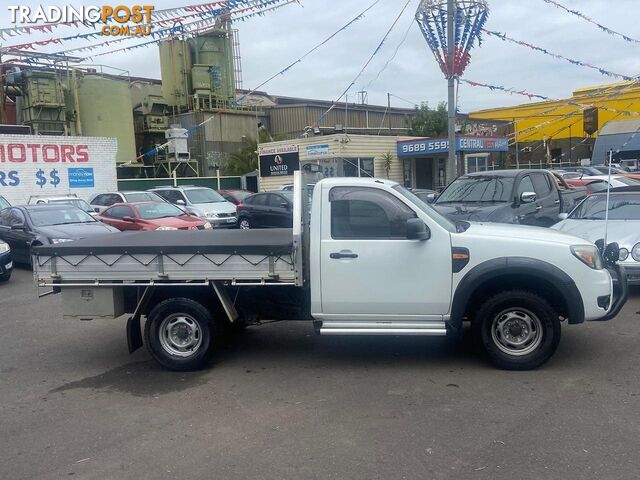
<point x="346" y="254"/>
<point x="538" y="208"/>
<point x="557" y="202"/>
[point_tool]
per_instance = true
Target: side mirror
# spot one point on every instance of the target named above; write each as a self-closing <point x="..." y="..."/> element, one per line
<point x="563" y="216"/>
<point x="528" y="197"/>
<point x="180" y="202"/>
<point x="17" y="226"/>
<point x="417" y="230"/>
<point x="128" y="219"/>
<point x="432" y="197"/>
<point x="97" y="210"/>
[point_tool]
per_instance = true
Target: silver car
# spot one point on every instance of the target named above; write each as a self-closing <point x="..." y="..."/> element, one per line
<point x="587" y="221"/>
<point x="203" y="202"/>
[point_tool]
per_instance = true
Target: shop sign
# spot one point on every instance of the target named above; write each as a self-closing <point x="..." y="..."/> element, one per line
<point x="279" y="161"/>
<point x="317" y="151"/>
<point x="465" y="143"/>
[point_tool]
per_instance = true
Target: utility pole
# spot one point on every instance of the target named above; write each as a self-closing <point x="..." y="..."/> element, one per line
<point x="452" y="171"/>
<point x="3" y="96"/>
<point x="389" y="110"/>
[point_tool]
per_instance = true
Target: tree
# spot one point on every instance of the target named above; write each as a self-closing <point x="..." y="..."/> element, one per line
<point x="387" y="162"/>
<point x="244" y="160"/>
<point x="429" y="122"/>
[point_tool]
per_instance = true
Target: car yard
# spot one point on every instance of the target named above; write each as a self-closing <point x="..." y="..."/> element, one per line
<point x="294" y="402"/>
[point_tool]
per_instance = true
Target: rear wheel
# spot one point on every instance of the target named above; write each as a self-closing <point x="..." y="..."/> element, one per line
<point x="244" y="223"/>
<point x="179" y="334"/>
<point x="518" y="330"/>
<point x="5" y="277"/>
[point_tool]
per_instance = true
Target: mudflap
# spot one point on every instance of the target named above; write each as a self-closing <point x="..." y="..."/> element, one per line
<point x="134" y="333"/>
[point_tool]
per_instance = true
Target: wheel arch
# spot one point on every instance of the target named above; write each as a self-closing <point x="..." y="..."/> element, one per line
<point x="510" y="273"/>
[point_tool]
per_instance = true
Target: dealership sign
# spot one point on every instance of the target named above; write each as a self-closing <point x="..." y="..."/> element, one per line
<point x="279" y="161"/>
<point x="317" y="151"/>
<point x="477" y="144"/>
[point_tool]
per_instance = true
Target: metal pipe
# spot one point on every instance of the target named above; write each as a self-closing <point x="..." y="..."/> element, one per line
<point x="451" y="103"/>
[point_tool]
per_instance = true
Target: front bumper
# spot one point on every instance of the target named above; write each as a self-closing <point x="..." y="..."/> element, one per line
<point x="633" y="273"/>
<point x="6" y="263"/>
<point x="222" y="222"/>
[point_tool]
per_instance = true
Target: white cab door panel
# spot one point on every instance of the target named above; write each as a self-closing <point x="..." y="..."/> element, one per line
<point x="369" y="269"/>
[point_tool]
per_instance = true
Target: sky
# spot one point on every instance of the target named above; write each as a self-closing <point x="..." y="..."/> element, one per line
<point x="268" y="43"/>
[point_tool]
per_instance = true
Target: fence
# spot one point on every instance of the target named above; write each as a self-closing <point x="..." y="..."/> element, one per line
<point x="226" y="183"/>
<point x="535" y="166"/>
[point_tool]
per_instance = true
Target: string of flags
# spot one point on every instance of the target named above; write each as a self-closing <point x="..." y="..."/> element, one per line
<point x="590" y="20"/>
<point x="505" y="37"/>
<point x="161" y="14"/>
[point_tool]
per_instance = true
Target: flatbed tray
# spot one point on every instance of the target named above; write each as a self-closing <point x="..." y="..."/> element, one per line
<point x="275" y="242"/>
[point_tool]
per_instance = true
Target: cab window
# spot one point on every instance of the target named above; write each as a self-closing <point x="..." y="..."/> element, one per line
<point x="367" y="214"/>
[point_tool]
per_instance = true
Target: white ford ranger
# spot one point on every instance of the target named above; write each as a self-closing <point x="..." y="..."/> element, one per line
<point x="370" y="258"/>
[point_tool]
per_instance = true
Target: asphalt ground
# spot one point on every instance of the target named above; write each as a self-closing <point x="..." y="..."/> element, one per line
<point x="279" y="402"/>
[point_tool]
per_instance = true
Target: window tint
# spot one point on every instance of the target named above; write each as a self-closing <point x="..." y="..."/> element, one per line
<point x="3" y="203"/>
<point x="119" y="212"/>
<point x="367" y="213"/>
<point x="541" y="185"/>
<point x="112" y="198"/>
<point x="259" y="200"/>
<point x="525" y="186"/>
<point x="4" y="217"/>
<point x="276" y="200"/>
<point x="100" y="200"/>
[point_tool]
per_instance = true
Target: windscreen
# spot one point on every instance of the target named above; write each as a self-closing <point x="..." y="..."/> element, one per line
<point x="478" y="188"/>
<point x="203" y="195"/>
<point x="45" y="217"/>
<point x="622" y="206"/>
<point x="143" y="197"/>
<point x="76" y="202"/>
<point x="152" y="211"/>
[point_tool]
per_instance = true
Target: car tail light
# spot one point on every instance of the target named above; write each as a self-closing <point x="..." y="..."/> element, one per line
<point x="240" y="205"/>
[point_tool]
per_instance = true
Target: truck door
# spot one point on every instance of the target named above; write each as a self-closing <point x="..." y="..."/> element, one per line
<point x="548" y="198"/>
<point x="368" y="267"/>
<point x="526" y="212"/>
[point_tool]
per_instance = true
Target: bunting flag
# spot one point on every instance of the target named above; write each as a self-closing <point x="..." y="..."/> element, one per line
<point x="584" y="17"/>
<point x="504" y="37"/>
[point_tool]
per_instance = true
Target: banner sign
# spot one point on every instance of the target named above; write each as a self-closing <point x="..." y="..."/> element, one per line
<point x="279" y="161"/>
<point x="317" y="151"/>
<point x="427" y="146"/>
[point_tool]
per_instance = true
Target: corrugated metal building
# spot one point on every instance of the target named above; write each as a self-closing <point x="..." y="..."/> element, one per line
<point x="623" y="135"/>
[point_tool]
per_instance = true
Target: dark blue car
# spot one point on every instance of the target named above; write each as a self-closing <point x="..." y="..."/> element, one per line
<point x="6" y="262"/>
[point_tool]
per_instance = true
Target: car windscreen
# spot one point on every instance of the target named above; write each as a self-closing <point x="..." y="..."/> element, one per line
<point x="426" y="208"/>
<point x="478" y="188"/>
<point x="45" y="217"/>
<point x="3" y="203"/>
<point x="76" y="202"/>
<point x="240" y="196"/>
<point x="203" y="195"/>
<point x="143" y="197"/>
<point x="622" y="206"/>
<point x="152" y="211"/>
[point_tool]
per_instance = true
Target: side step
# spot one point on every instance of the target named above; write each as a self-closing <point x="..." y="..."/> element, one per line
<point x="431" y="328"/>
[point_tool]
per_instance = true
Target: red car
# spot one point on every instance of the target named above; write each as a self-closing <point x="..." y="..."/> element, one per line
<point x="235" y="196"/>
<point x="147" y="216"/>
<point x="593" y="185"/>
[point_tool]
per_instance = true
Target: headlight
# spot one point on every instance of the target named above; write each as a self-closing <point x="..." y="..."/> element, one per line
<point x="624" y="254"/>
<point x="4" y="248"/>
<point x="207" y="226"/>
<point x="635" y="252"/>
<point x="61" y="240"/>
<point x="589" y="255"/>
<point x="165" y="228"/>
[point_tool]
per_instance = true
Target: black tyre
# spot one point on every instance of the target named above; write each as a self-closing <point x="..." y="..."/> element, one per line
<point x="179" y="334"/>
<point x="244" y="223"/>
<point x="518" y="330"/>
<point x="5" y="277"/>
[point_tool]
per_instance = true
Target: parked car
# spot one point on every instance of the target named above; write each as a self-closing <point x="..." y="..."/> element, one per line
<point x="618" y="181"/>
<point x="630" y="165"/>
<point x="4" y="203"/>
<point x="604" y="170"/>
<point x="266" y="210"/>
<point x="528" y="197"/>
<point x="235" y="196"/>
<point x="32" y="225"/>
<point x="6" y="262"/>
<point x="202" y="202"/>
<point x="587" y="221"/>
<point x="102" y="201"/>
<point x="585" y="171"/>
<point x="148" y="216"/>
<point x="567" y="175"/>
<point x="62" y="200"/>
<point x="592" y="185"/>
<point x="424" y="194"/>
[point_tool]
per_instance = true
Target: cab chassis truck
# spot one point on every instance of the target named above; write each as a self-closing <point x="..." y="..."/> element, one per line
<point x="369" y="258"/>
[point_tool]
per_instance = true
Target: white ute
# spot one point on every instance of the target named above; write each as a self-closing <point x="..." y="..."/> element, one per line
<point x="370" y="259"/>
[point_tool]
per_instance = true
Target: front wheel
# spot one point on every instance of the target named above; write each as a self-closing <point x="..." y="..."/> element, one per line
<point x="179" y="334"/>
<point x="518" y="330"/>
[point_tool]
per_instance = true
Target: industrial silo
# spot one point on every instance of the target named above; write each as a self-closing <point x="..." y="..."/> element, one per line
<point x="175" y="69"/>
<point x="104" y="110"/>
